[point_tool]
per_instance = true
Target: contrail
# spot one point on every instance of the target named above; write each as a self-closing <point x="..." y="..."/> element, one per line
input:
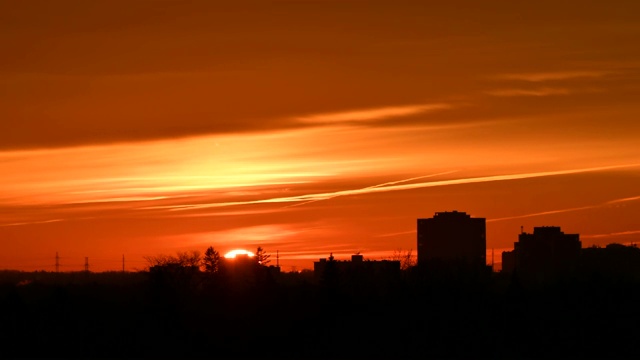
<point x="559" y="211"/>
<point x="615" y="201"/>
<point x="621" y="233"/>
<point x="376" y="186"/>
<point x="394" y="187"/>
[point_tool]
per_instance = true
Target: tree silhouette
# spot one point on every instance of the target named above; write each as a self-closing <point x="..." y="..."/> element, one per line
<point x="190" y="258"/>
<point x="406" y="258"/>
<point x="211" y="260"/>
<point x="181" y="259"/>
<point x="262" y="257"/>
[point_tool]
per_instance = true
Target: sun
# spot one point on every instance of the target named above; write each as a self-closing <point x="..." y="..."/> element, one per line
<point x="233" y="253"/>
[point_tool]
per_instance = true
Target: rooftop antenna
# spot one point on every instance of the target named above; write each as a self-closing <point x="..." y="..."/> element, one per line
<point x="521" y="229"/>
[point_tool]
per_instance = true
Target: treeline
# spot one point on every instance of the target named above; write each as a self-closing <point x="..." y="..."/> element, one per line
<point x="193" y="311"/>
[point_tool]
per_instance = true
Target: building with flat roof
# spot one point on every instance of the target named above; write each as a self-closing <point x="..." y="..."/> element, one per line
<point x="452" y="237"/>
<point x="546" y="253"/>
<point x="356" y="266"/>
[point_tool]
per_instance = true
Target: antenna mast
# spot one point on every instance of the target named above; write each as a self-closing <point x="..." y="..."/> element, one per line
<point x="57" y="262"/>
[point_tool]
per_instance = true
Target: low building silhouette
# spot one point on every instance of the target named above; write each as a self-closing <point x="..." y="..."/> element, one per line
<point x="452" y="238"/>
<point x="545" y="254"/>
<point x="614" y="261"/>
<point x="356" y="266"/>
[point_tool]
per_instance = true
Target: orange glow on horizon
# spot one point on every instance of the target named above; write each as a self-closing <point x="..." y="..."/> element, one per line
<point x="233" y="253"/>
<point x="184" y="125"/>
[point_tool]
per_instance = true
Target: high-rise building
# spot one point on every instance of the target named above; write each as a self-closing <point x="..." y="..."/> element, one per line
<point x="546" y="253"/>
<point x="452" y="237"/>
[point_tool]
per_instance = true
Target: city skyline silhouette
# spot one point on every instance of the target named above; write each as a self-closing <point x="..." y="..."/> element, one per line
<point x="315" y="179"/>
<point x="236" y="307"/>
<point x="310" y="127"/>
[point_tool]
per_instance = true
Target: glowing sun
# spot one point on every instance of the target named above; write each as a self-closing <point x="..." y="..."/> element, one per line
<point x="233" y="253"/>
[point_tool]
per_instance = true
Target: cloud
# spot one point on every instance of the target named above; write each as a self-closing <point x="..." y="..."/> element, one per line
<point x="620" y="233"/>
<point x="32" y="222"/>
<point x="528" y="92"/>
<point x="551" y="76"/>
<point x="380" y="185"/>
<point x="550" y="212"/>
<point x="633" y="198"/>
<point x="395" y="187"/>
<point x="397" y="233"/>
<point x="559" y="211"/>
<point x="373" y="114"/>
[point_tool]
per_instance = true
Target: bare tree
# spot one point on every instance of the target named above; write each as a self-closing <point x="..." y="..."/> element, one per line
<point x="181" y="259"/>
<point x="262" y="257"/>
<point x="406" y="258"/>
<point x="190" y="258"/>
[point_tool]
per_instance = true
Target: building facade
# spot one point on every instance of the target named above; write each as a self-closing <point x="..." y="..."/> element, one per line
<point x="356" y="266"/>
<point x="546" y="253"/>
<point x="452" y="237"/>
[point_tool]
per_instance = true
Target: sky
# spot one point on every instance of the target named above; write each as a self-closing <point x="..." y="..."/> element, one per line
<point x="310" y="128"/>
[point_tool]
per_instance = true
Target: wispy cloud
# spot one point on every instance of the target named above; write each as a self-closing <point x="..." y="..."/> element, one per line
<point x="380" y="186"/>
<point x="373" y="114"/>
<point x="633" y="198"/>
<point x="550" y="76"/>
<point x="32" y="222"/>
<point x="550" y="212"/>
<point x="396" y="187"/>
<point x="528" y="92"/>
<point x="397" y="233"/>
<point x="620" y="233"/>
<point x="121" y="199"/>
<point x="559" y="211"/>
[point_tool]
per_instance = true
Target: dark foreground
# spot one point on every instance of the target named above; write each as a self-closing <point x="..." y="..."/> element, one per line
<point x="294" y="315"/>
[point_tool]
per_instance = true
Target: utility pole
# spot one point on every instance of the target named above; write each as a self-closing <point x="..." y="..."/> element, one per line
<point x="86" y="264"/>
<point x="57" y="262"/>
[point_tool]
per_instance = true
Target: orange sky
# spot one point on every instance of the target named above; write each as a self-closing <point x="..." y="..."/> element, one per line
<point x="310" y="127"/>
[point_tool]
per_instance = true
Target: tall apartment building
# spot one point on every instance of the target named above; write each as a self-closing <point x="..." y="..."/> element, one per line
<point x="452" y="237"/>
<point x="547" y="252"/>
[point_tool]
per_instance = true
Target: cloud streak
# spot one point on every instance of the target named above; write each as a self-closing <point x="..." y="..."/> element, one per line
<point x="620" y="233"/>
<point x="395" y="187"/>
<point x="380" y="186"/>
<point x="373" y="114"/>
<point x="550" y="212"/>
<point x="560" y="211"/>
<point x="552" y="76"/>
<point x="528" y="92"/>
